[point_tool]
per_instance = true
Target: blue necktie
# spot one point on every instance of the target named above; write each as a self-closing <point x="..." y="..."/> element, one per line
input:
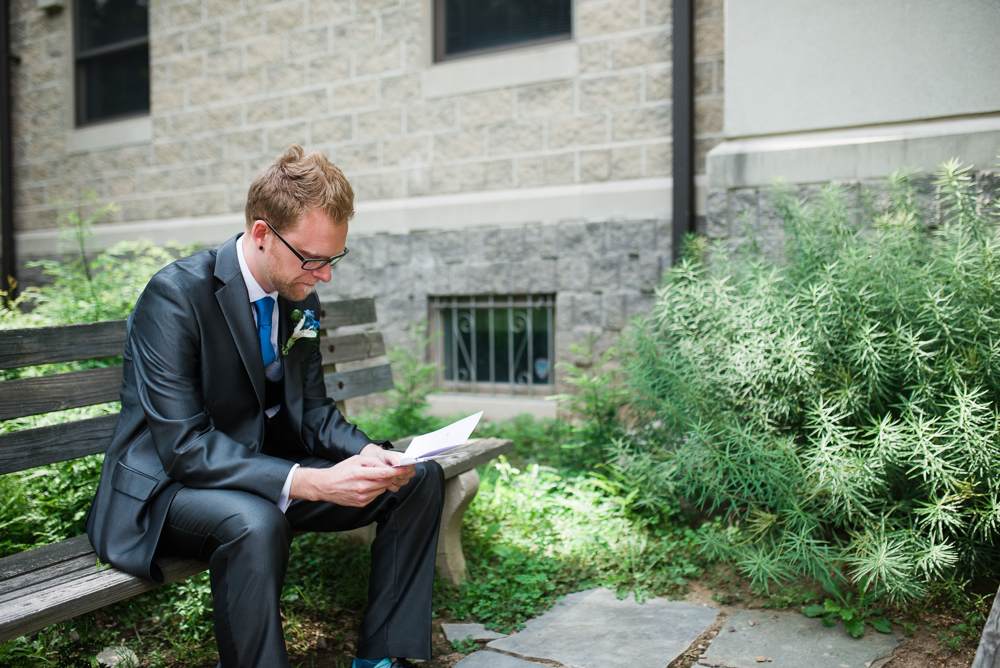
<point x="264" y="306"/>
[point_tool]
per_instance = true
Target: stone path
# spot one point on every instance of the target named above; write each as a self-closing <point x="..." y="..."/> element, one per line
<point x="593" y="629"/>
<point x="792" y="640"/>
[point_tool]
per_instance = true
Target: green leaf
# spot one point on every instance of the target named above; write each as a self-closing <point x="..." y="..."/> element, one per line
<point x="830" y="620"/>
<point x="831" y="606"/>
<point x="881" y="624"/>
<point x="813" y="610"/>
<point x="855" y="627"/>
<point x="848" y="614"/>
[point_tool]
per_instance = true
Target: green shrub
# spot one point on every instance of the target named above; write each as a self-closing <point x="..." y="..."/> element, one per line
<point x="87" y="286"/>
<point x="839" y="406"/>
<point x="595" y="406"/>
<point x="536" y="440"/>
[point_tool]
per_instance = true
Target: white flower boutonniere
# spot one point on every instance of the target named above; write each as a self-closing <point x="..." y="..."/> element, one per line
<point x="306" y="327"/>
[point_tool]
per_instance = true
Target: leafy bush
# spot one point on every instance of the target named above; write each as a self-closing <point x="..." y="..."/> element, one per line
<point x="85" y="289"/>
<point x="49" y="504"/>
<point x="839" y="407"/>
<point x="596" y="405"/>
<point x="536" y="440"/>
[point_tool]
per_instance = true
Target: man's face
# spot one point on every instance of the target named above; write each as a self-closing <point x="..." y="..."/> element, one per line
<point x="315" y="236"/>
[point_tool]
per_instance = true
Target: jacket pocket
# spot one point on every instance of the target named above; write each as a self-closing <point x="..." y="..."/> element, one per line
<point x="129" y="481"/>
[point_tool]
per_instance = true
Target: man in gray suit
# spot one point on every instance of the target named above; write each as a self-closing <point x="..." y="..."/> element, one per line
<point x="226" y="444"/>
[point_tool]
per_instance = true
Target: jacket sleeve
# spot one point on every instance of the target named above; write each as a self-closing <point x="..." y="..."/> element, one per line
<point x="325" y="432"/>
<point x="165" y="345"/>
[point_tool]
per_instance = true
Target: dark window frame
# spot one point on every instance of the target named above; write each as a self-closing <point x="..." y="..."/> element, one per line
<point x="82" y="56"/>
<point x="439" y="37"/>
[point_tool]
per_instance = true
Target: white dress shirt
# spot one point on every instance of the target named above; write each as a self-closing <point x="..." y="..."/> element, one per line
<point x="273" y="370"/>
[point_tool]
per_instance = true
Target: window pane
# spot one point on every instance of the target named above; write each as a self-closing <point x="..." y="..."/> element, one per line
<point x="104" y="22"/>
<point x="483" y="24"/>
<point x="115" y="85"/>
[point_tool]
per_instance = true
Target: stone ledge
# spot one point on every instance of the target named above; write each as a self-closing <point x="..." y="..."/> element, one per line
<point x="853" y="154"/>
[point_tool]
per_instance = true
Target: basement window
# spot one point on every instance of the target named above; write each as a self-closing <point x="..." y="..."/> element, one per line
<point x="495" y="344"/>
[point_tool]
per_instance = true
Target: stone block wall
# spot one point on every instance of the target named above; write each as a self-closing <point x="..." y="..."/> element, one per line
<point x="233" y="82"/>
<point x="602" y="274"/>
<point x="739" y="213"/>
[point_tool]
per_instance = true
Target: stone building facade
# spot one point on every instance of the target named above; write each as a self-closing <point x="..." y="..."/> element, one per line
<point x="535" y="170"/>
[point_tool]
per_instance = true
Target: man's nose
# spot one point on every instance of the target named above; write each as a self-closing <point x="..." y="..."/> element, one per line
<point x="324" y="273"/>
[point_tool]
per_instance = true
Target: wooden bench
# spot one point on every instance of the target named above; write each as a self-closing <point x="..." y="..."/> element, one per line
<point x="53" y="583"/>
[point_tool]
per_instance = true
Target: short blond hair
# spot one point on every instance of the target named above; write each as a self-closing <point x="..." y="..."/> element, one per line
<point x="297" y="182"/>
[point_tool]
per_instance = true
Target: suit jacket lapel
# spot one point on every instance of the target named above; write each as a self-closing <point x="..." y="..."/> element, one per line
<point x="290" y="364"/>
<point x="235" y="303"/>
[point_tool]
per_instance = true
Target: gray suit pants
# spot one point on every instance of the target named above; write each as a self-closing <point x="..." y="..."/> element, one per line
<point x="246" y="540"/>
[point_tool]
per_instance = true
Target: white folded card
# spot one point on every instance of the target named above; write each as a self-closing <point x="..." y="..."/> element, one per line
<point x="436" y="445"/>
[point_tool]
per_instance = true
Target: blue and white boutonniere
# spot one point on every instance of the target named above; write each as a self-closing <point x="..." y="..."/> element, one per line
<point x="306" y="327"/>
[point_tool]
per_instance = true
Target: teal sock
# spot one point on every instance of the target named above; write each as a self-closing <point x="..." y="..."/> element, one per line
<point x="372" y="663"/>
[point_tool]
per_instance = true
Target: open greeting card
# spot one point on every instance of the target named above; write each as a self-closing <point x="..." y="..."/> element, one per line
<point x="441" y="443"/>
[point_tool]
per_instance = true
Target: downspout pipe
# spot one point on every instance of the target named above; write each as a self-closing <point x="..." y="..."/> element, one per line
<point x="8" y="266"/>
<point x="683" y="124"/>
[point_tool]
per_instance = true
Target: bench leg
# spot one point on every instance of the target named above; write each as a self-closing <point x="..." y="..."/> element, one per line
<point x="458" y="494"/>
<point x="364" y="535"/>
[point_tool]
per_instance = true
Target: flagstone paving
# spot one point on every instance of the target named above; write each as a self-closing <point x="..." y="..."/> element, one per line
<point x="592" y="629"/>
<point x="494" y="660"/>
<point x="455" y="632"/>
<point x="792" y="640"/>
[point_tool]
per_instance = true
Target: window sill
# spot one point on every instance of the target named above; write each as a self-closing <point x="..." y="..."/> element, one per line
<point x="548" y="62"/>
<point x="112" y="134"/>
<point x="493" y="407"/>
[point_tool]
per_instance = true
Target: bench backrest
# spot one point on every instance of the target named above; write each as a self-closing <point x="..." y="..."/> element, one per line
<point x="25" y="397"/>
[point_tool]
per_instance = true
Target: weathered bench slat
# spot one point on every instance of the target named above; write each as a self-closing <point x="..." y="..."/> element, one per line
<point x="43" y="557"/>
<point x="483" y="451"/>
<point x="349" y="384"/>
<point x="68" y="343"/>
<point x="351" y="347"/>
<point x="44" y="394"/>
<point x="28" y="583"/>
<point x="347" y="312"/>
<point x="76" y="593"/>
<point x="22" y="450"/>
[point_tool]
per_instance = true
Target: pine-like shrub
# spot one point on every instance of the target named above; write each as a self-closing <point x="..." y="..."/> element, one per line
<point x="837" y="406"/>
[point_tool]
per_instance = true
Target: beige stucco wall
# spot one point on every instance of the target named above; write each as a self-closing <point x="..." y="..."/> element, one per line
<point x="797" y="65"/>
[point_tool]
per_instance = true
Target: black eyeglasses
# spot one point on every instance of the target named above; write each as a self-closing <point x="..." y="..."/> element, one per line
<point x="309" y="265"/>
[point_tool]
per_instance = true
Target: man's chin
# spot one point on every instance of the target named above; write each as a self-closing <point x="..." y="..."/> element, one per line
<point x="296" y="292"/>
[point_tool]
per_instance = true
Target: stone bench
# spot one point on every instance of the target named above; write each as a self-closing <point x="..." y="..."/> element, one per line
<point x="50" y="584"/>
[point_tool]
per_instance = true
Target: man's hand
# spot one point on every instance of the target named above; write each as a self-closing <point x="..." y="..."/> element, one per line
<point x="353" y="482"/>
<point x="390" y="458"/>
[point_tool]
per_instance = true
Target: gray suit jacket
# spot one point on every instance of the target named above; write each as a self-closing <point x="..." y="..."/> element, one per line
<point x="193" y="406"/>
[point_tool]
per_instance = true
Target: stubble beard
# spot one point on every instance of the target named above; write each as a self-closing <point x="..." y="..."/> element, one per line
<point x="287" y="288"/>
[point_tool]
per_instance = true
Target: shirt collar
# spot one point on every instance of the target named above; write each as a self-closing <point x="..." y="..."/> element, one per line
<point x="253" y="287"/>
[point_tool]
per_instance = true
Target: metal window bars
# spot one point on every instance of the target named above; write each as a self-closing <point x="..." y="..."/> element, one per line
<point x="503" y="342"/>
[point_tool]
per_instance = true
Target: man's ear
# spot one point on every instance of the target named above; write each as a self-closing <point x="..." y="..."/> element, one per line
<point x="258" y="232"/>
